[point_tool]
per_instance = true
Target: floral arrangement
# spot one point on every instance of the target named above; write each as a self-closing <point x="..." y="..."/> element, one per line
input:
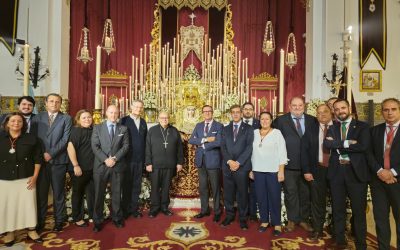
<point x="230" y="100"/>
<point x="191" y="74"/>
<point x="313" y="105"/>
<point x="149" y="100"/>
<point x="217" y="113"/>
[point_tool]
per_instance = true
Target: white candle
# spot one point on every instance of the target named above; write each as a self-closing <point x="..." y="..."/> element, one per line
<point x="26" y="70"/>
<point x="107" y="42"/>
<point x="281" y="80"/>
<point x="349" y="83"/>
<point x="97" y="89"/>
<point x="274" y="107"/>
<point x="290" y="57"/>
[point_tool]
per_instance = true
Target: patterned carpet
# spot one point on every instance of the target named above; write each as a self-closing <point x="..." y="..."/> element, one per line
<point x="179" y="231"/>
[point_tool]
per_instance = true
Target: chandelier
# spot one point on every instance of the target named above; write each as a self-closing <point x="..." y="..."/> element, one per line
<point x="84" y="50"/>
<point x="37" y="71"/>
<point x="269" y="39"/>
<point x="291" y="52"/>
<point x="108" y="41"/>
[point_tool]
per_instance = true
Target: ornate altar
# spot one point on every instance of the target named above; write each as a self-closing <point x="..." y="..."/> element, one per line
<point x="263" y="90"/>
<point x="114" y="89"/>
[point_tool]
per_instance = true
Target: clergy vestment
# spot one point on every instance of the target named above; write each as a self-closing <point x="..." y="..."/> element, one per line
<point x="164" y="150"/>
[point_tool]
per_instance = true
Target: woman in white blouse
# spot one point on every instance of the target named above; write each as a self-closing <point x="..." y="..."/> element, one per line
<point x="268" y="161"/>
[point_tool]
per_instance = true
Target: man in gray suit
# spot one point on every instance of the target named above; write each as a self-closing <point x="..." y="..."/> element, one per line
<point x="110" y="143"/>
<point x="53" y="128"/>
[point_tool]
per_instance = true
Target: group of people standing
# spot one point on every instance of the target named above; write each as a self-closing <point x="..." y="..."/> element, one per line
<point x="250" y="159"/>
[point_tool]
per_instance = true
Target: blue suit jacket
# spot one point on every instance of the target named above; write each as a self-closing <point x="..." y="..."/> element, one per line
<point x="239" y="150"/>
<point x="211" y="151"/>
<point x="137" y="139"/>
<point x="55" y="138"/>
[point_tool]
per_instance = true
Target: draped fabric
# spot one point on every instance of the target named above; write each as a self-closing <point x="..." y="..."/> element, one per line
<point x="249" y="20"/>
<point x="132" y="23"/>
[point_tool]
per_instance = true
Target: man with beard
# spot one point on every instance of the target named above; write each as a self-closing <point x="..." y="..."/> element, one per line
<point x="248" y="117"/>
<point x="25" y="106"/>
<point x="163" y="159"/>
<point x="348" y="173"/>
<point x="384" y="161"/>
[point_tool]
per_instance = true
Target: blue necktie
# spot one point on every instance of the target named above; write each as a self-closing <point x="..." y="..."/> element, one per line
<point x="235" y="131"/>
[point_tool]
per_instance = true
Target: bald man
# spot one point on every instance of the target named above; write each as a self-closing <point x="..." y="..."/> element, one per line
<point x="110" y="143"/>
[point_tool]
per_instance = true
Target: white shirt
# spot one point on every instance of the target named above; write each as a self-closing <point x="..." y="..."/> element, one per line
<point x="271" y="154"/>
<point x="136" y="120"/>
<point x="248" y="119"/>
<point x="346" y="143"/>
<point x="321" y="140"/>
<point x="395" y="127"/>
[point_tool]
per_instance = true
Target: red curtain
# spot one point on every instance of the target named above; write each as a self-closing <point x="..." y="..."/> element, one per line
<point x="132" y="23"/>
<point x="249" y="20"/>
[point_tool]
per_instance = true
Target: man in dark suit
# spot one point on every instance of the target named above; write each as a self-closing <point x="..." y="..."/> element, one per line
<point x="207" y="137"/>
<point x="53" y="128"/>
<point x="314" y="164"/>
<point x="26" y="104"/>
<point x="132" y="181"/>
<point x="110" y="143"/>
<point x="348" y="173"/>
<point x="236" y="147"/>
<point x="384" y="161"/>
<point x="248" y="117"/>
<point x="297" y="192"/>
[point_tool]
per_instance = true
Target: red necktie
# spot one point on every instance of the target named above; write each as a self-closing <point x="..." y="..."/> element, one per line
<point x="325" y="151"/>
<point x="235" y="132"/>
<point x="206" y="129"/>
<point x="389" y="140"/>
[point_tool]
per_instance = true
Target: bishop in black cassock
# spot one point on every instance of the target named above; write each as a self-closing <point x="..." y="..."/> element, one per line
<point x="164" y="157"/>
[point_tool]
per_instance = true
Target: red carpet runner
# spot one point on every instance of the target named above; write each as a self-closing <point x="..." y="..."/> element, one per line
<point x="177" y="232"/>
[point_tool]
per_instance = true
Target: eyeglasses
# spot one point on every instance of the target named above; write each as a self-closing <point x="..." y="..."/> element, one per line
<point x="248" y="109"/>
<point x="163" y="118"/>
<point x="207" y="111"/>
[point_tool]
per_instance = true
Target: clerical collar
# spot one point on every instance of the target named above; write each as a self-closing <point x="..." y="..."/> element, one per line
<point x="165" y="127"/>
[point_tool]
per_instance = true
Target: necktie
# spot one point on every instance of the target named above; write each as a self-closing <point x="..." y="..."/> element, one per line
<point x="206" y="129"/>
<point x="298" y="127"/>
<point x="28" y="122"/>
<point x="325" y="151"/>
<point x="112" y="131"/>
<point x="51" y="120"/>
<point x="235" y="131"/>
<point x="389" y="140"/>
<point x="246" y="121"/>
<point x="344" y="136"/>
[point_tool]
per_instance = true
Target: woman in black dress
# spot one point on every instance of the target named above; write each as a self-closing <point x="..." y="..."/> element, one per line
<point x="81" y="156"/>
<point x="20" y="159"/>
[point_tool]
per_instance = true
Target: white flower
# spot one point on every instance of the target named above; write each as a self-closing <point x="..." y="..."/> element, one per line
<point x="230" y="100"/>
<point x="149" y="100"/>
<point x="313" y="105"/>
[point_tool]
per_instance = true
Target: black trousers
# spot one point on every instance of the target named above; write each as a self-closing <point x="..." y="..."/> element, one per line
<point x="384" y="197"/>
<point x="131" y="187"/>
<point x="319" y="192"/>
<point x="252" y="198"/>
<point x="236" y="182"/>
<point x="343" y="184"/>
<point x="100" y="184"/>
<point x="297" y="196"/>
<point x="53" y="175"/>
<point x="160" y="184"/>
<point x="209" y="178"/>
<point x="81" y="186"/>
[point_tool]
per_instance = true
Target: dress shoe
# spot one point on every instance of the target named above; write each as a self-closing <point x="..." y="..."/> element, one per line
<point x="315" y="236"/>
<point x="83" y="224"/>
<point x="39" y="227"/>
<point x="243" y="225"/>
<point x="290" y="226"/>
<point x="262" y="229"/>
<point x="33" y="236"/>
<point x="253" y="218"/>
<point x="342" y="246"/>
<point x="217" y="217"/>
<point x="201" y="215"/>
<point x="306" y="226"/>
<point x="276" y="232"/>
<point x="137" y="214"/>
<point x="58" y="227"/>
<point x="118" y="223"/>
<point x="9" y="239"/>
<point x="167" y="212"/>
<point x="153" y="214"/>
<point x="226" y="222"/>
<point x="97" y="228"/>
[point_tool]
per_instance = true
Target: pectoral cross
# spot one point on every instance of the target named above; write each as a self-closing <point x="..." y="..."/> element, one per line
<point x="165" y="144"/>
